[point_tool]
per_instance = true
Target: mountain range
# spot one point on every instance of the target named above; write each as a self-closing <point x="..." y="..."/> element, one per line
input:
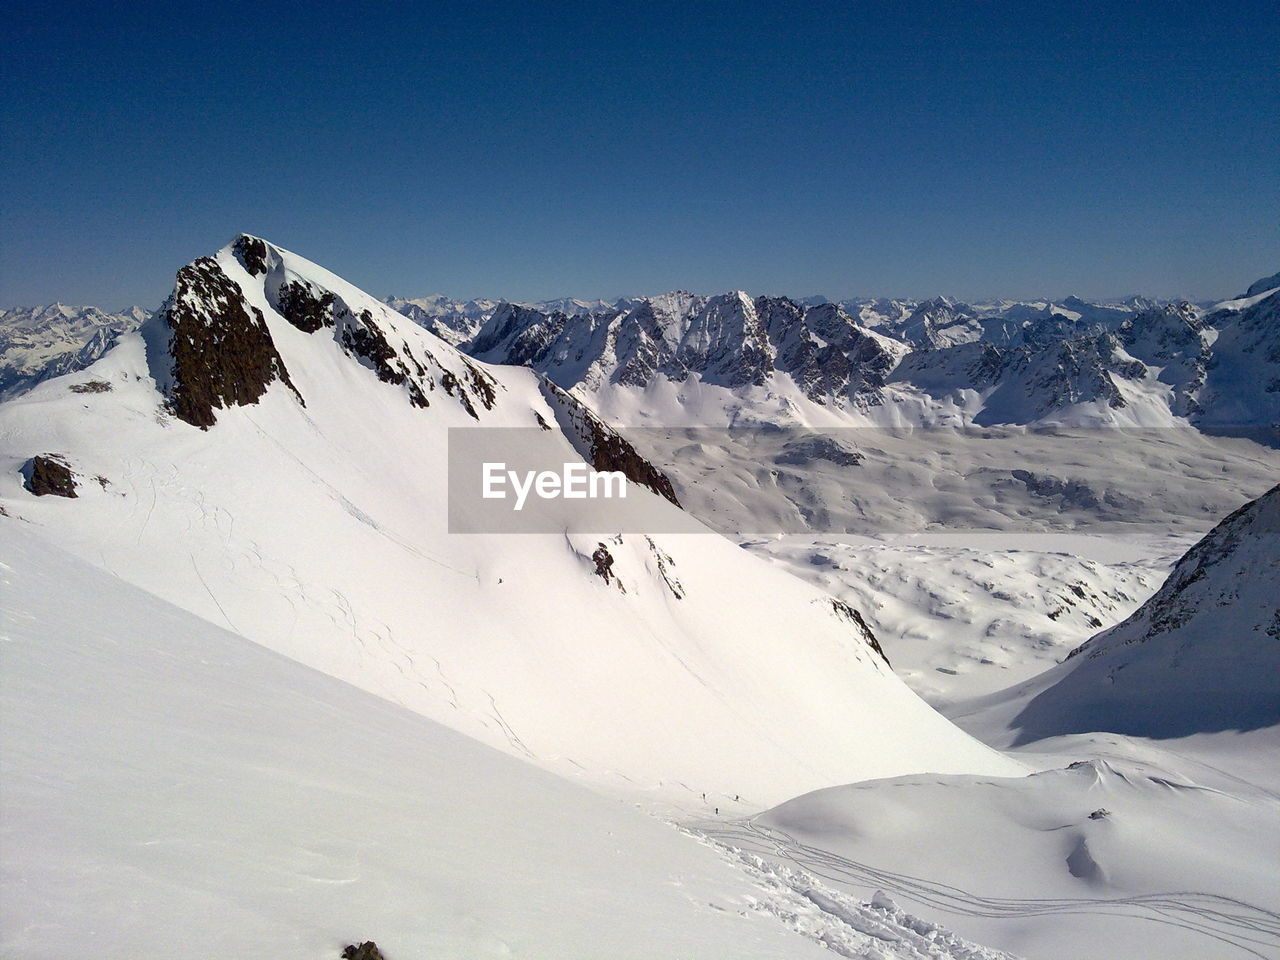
<point x="732" y="360"/>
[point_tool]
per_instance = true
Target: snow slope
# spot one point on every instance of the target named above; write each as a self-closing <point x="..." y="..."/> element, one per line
<point x="1087" y="860"/>
<point x="1151" y="829"/>
<point x="1200" y="656"/>
<point x="320" y="532"/>
<point x="171" y="789"/>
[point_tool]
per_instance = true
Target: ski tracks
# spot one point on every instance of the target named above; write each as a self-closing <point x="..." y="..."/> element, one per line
<point x="1250" y="930"/>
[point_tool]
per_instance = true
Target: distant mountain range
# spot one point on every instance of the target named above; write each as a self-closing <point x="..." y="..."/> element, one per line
<point x="734" y="360"/>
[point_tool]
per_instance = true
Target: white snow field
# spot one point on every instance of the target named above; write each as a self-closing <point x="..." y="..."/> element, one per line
<point x="1153" y="826"/>
<point x="171" y="789"/>
<point x="963" y="615"/>
<point x="1091" y="860"/>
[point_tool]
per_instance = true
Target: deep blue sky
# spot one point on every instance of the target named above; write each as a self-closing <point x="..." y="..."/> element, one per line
<point x="530" y="150"/>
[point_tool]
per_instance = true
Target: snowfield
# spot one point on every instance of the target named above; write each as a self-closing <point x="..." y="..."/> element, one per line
<point x="173" y="789"/>
<point x="960" y="615"/>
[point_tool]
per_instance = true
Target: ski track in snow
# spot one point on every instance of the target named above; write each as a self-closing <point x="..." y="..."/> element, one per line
<point x="1250" y="930"/>
<point x="857" y="930"/>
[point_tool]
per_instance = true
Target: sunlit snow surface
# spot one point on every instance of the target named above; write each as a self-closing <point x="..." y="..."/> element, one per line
<point x="171" y="789"/>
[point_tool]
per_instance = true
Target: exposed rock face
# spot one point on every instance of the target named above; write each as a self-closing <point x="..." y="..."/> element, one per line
<point x="48" y="475"/>
<point x="845" y="612"/>
<point x="602" y="447"/>
<point x="221" y="350"/>
<point x="363" y="338"/>
<point x="305" y="310"/>
<point x="603" y="560"/>
<point x="252" y="254"/>
<point x="666" y="567"/>
<point x="363" y="951"/>
<point x="311" y="309"/>
<point x="91" y="386"/>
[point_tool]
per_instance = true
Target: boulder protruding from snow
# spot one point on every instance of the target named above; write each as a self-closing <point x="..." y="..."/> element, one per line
<point x="363" y="951"/>
<point x="48" y="475"/>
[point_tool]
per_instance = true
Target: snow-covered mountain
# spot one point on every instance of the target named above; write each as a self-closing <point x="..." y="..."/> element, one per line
<point x="458" y="320"/>
<point x="687" y="359"/>
<point x="41" y="342"/>
<point x="713" y="361"/>
<point x="265" y="684"/>
<point x="1200" y="656"/>
<point x="267" y="453"/>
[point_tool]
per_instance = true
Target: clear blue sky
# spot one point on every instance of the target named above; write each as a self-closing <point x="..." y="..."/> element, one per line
<point x="531" y="150"/>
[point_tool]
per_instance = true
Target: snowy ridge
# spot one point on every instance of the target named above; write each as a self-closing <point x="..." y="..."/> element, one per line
<point x="896" y="362"/>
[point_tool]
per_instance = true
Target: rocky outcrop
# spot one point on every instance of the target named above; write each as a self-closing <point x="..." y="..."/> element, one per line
<point x="847" y="613"/>
<point x="252" y="254"/>
<point x="303" y="308"/>
<point x="219" y="348"/>
<point x="48" y="475"/>
<point x="603" y="560"/>
<point x="371" y="341"/>
<point x="602" y="447"/>
<point x="362" y="951"/>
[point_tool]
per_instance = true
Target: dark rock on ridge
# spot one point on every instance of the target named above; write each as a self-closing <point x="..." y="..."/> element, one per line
<point x="48" y="475"/>
<point x="221" y="350"/>
<point x="845" y="612"/>
<point x="603" y="447"/>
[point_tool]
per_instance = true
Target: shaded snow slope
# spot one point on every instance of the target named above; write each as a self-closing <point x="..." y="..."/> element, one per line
<point x="1202" y="655"/>
<point x="172" y="789"/>
<point x="310" y="517"/>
